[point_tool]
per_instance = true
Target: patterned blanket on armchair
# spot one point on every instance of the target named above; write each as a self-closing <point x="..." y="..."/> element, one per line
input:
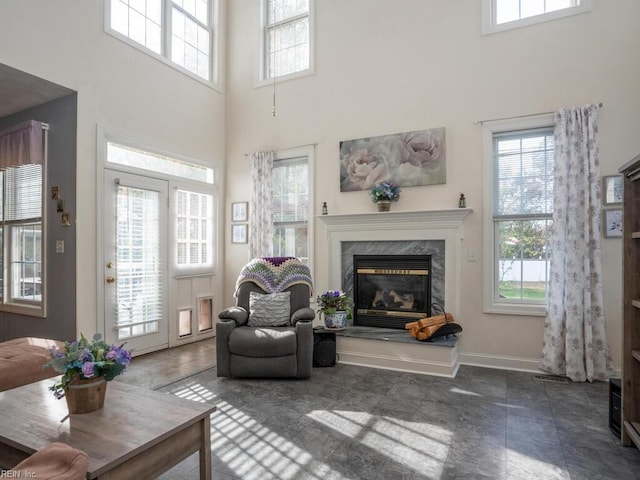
<point x="275" y="274"/>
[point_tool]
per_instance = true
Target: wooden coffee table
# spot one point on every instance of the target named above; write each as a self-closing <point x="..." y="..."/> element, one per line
<point x="139" y="433"/>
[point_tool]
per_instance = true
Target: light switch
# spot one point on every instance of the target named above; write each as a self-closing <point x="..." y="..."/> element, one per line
<point x="59" y="246"/>
<point x="472" y="255"/>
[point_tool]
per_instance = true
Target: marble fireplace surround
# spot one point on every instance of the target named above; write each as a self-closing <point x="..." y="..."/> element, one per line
<point x="426" y="230"/>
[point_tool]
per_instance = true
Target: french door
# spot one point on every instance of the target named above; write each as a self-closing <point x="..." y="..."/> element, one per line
<point x="135" y="261"/>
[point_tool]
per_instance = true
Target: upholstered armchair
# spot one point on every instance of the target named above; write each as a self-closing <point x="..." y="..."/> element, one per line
<point x="269" y="332"/>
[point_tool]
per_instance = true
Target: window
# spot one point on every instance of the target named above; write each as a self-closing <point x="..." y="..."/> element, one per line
<point x="287" y="32"/>
<point x="499" y="15"/>
<point x="292" y="203"/>
<point x="21" y="218"/>
<point x="520" y="166"/>
<point x="177" y="31"/>
<point x="153" y="162"/>
<point x="194" y="209"/>
<point x="194" y="229"/>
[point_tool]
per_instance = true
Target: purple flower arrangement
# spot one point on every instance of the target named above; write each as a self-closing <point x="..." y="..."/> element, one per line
<point x="332" y="301"/>
<point x="83" y="359"/>
<point x="385" y="192"/>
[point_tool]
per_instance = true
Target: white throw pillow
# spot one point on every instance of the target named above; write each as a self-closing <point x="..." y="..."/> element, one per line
<point x="269" y="310"/>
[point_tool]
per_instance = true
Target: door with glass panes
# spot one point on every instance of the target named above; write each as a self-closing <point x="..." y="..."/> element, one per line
<point x="135" y="267"/>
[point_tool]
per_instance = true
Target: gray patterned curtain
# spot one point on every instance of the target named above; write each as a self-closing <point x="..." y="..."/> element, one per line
<point x="575" y="340"/>
<point x="260" y="208"/>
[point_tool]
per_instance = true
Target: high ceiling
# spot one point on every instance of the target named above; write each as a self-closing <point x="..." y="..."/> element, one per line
<point x="20" y="91"/>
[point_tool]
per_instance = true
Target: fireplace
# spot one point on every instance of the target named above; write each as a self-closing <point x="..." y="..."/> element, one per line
<point x="391" y="290"/>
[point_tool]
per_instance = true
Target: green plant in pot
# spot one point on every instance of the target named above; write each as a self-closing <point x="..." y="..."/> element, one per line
<point x="335" y="306"/>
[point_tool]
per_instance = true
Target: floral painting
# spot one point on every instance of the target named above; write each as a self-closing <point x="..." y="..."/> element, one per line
<point x="407" y="159"/>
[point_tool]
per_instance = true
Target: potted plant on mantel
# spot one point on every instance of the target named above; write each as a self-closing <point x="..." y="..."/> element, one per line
<point x="383" y="194"/>
<point x="335" y="306"/>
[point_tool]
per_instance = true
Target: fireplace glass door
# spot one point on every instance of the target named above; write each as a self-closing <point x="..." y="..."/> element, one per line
<point x="391" y="290"/>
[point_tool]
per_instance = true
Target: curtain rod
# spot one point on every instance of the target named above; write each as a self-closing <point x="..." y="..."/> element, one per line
<point x="290" y="148"/>
<point x="480" y="122"/>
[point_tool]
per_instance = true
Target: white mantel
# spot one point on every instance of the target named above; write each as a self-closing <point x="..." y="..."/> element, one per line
<point x="444" y="225"/>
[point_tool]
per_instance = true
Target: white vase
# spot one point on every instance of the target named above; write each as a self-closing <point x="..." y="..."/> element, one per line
<point x="336" y="321"/>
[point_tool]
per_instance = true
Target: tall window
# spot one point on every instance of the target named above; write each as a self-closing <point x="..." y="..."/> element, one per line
<point x="521" y="169"/>
<point x="178" y="30"/>
<point x="291" y="208"/>
<point x="287" y="37"/>
<point x="505" y="14"/>
<point x="22" y="275"/>
<point x="22" y="229"/>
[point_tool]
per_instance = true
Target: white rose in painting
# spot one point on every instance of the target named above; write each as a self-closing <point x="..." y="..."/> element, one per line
<point x="422" y="149"/>
<point x="363" y="170"/>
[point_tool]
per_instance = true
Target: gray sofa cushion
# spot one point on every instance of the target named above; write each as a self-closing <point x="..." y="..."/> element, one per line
<point x="272" y="310"/>
<point x="263" y="342"/>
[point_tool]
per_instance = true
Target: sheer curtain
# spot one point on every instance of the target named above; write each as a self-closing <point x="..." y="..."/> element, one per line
<point x="575" y="340"/>
<point x="260" y="207"/>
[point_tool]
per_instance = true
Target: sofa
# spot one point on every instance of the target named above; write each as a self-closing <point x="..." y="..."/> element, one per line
<point x="22" y="361"/>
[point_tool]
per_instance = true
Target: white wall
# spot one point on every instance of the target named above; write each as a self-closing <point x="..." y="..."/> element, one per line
<point x="118" y="87"/>
<point x="391" y="66"/>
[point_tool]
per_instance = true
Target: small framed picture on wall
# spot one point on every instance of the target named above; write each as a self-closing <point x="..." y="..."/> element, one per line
<point x="612" y="222"/>
<point x="239" y="233"/>
<point x="239" y="211"/>
<point x="612" y="190"/>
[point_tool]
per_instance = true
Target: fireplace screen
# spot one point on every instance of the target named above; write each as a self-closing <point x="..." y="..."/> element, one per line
<point x="391" y="290"/>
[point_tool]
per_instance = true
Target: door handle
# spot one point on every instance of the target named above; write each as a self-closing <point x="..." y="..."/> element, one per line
<point x="110" y="279"/>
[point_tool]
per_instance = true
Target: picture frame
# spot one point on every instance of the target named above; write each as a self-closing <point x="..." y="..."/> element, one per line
<point x="239" y="211"/>
<point x="239" y="233"/>
<point x="612" y="219"/>
<point x="59" y="205"/>
<point x="612" y="190"/>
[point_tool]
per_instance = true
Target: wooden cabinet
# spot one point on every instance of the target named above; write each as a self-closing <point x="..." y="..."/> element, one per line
<point x="631" y="304"/>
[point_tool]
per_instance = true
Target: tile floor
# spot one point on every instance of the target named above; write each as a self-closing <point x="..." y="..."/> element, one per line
<point x="350" y="422"/>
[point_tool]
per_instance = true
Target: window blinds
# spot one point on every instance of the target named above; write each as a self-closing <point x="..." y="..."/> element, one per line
<point x="524" y="173"/>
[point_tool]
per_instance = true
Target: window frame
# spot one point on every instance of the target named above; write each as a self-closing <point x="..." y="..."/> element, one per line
<point x="489" y="25"/>
<point x="215" y="240"/>
<point x="309" y="153"/>
<point x="261" y="74"/>
<point x="489" y="128"/>
<point x="215" y="47"/>
<point x="8" y="249"/>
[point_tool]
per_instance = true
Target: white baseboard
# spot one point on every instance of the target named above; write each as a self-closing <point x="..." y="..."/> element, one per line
<point x="501" y="362"/>
<point x="507" y="363"/>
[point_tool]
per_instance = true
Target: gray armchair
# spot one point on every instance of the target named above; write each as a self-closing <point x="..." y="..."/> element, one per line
<point x="266" y="351"/>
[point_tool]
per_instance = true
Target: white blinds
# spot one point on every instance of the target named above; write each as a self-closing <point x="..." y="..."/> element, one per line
<point x="139" y="268"/>
<point x="291" y="190"/>
<point x="524" y="173"/>
<point x="22" y="193"/>
<point x="194" y="228"/>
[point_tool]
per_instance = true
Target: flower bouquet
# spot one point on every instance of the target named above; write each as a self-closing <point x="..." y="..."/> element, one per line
<point x="85" y="360"/>
<point x="385" y="192"/>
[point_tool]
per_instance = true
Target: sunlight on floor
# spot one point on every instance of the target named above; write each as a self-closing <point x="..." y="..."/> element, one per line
<point x="402" y="441"/>
<point x="253" y="451"/>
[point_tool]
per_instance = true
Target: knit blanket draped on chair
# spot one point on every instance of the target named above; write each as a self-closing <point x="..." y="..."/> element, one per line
<point x="275" y="274"/>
